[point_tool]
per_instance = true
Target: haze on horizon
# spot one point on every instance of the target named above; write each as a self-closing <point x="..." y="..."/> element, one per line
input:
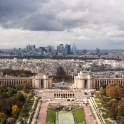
<point x="87" y="23"/>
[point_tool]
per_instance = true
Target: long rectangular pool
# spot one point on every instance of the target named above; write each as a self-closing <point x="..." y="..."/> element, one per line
<point x="65" y="117"/>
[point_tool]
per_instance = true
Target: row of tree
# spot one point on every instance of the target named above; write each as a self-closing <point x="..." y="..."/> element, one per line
<point x="60" y="77"/>
<point x="112" y="98"/>
<point x="61" y="74"/>
<point x="11" y="102"/>
<point x="21" y="73"/>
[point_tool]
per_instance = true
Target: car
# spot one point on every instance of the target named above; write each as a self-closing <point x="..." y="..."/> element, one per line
<point x="90" y="114"/>
<point x="68" y="99"/>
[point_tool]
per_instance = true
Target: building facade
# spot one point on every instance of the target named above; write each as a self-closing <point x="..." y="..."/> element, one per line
<point x="39" y="81"/>
<point x="60" y="48"/>
<point x="74" y="49"/>
<point x="67" y="49"/>
<point x="64" y="94"/>
<point x="85" y="80"/>
<point x="42" y="81"/>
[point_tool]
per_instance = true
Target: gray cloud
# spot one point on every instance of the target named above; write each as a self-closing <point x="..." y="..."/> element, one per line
<point x="85" y="21"/>
<point x="60" y="14"/>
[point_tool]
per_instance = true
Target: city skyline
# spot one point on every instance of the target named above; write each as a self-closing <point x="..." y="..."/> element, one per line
<point x="88" y="24"/>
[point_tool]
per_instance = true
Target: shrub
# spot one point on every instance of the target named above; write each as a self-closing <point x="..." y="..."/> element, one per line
<point x="104" y="116"/>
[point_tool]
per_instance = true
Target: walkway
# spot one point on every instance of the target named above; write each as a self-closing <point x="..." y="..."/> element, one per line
<point x="43" y="113"/>
<point x="87" y="111"/>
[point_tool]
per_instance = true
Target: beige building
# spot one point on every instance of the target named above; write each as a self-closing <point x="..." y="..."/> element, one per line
<point x="42" y="81"/>
<point x="85" y="80"/>
<point x="38" y="81"/>
<point x="64" y="94"/>
<point x="13" y="81"/>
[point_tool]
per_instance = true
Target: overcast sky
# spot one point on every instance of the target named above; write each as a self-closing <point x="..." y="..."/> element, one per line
<point x="87" y="23"/>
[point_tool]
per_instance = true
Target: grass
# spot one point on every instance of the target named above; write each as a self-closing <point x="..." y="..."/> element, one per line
<point x="106" y="121"/>
<point x="104" y="116"/>
<point x="103" y="110"/>
<point x="79" y="116"/>
<point x="51" y="116"/>
<point x="65" y="117"/>
<point x="106" y="99"/>
<point x="99" y="105"/>
<point x="69" y="81"/>
<point x="56" y="81"/>
<point x="26" y="117"/>
<point x="97" y="101"/>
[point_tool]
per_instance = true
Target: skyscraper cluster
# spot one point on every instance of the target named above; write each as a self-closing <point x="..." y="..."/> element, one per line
<point x="67" y="49"/>
<point x="61" y="49"/>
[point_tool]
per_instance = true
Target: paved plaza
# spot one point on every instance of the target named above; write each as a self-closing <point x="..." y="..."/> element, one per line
<point x="43" y="111"/>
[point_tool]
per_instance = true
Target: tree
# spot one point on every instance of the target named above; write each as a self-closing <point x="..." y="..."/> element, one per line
<point x="3" y="121"/>
<point x="21" y="97"/>
<point x="15" y="110"/>
<point x="102" y="91"/>
<point x="120" y="120"/>
<point x="21" y="121"/>
<point x="4" y="95"/>
<point x="18" y="87"/>
<point x="19" y="104"/>
<point x="24" y="84"/>
<point x="110" y="85"/>
<point x="60" y="71"/>
<point x="1" y="116"/>
<point x="121" y="108"/>
<point x="102" y="84"/>
<point x="111" y="102"/>
<point x="23" y="75"/>
<point x="113" y="110"/>
<point x="2" y="106"/>
<point x="11" y="121"/>
<point x="115" y="92"/>
<point x="9" y="111"/>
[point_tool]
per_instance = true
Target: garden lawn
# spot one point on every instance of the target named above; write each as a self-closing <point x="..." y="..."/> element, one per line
<point x="97" y="101"/>
<point x="65" y="117"/>
<point x="107" y="122"/>
<point x="69" y="81"/>
<point x="99" y="105"/>
<point x="51" y="116"/>
<point x="79" y="116"/>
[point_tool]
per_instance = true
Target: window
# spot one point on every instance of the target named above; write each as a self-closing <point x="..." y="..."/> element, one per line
<point x="85" y="83"/>
<point x="42" y="84"/>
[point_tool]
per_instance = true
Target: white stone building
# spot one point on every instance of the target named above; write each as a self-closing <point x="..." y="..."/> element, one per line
<point x="39" y="81"/>
<point x="85" y="80"/>
<point x="42" y="81"/>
